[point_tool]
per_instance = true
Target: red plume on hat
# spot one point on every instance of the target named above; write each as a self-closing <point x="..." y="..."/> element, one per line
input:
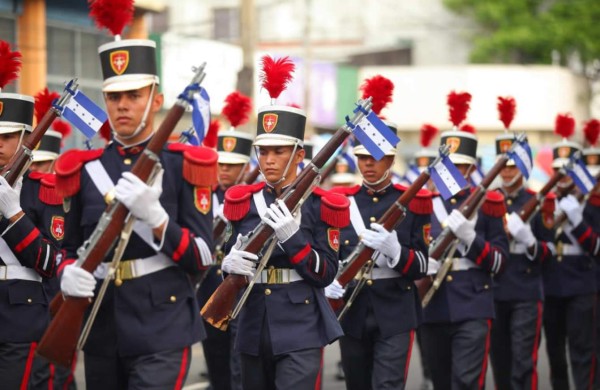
<point x="428" y="132"/>
<point x="507" y="106"/>
<point x="591" y="130"/>
<point x="468" y="128"/>
<point x="237" y="108"/>
<point x="211" y="138"/>
<point x="10" y="64"/>
<point x="458" y="105"/>
<point x="380" y="89"/>
<point x="276" y="74"/>
<point x="564" y="125"/>
<point x="43" y="103"/>
<point x="113" y="15"/>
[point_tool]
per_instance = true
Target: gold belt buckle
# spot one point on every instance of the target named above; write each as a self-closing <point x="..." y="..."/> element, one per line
<point x="276" y="275"/>
<point x="124" y="272"/>
<point x="559" y="251"/>
<point x="3" y="272"/>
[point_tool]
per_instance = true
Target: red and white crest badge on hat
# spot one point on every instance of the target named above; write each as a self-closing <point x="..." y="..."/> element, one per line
<point x="202" y="199"/>
<point x="1" y="108"/>
<point x="119" y="60"/>
<point x="269" y="122"/>
<point x="333" y="238"/>
<point x="505" y="144"/>
<point x="454" y="143"/>
<point x="229" y="143"/>
<point x="57" y="227"/>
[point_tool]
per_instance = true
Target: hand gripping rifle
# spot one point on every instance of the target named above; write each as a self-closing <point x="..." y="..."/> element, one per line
<point x="445" y="242"/>
<point x="218" y="309"/>
<point x="60" y="339"/>
<point x="361" y="257"/>
<point x="561" y="217"/>
<point x="21" y="160"/>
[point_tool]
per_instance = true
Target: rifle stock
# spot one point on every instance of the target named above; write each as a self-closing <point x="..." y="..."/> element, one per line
<point x="530" y="208"/>
<point x="60" y="339"/>
<point x="218" y="308"/>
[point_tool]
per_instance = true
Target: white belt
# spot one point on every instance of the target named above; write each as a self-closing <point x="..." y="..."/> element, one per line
<point x="462" y="264"/>
<point x="137" y="267"/>
<point x="518" y="248"/>
<point x="8" y="272"/>
<point x="279" y="276"/>
<point x="384" y="273"/>
<point x="570" y="249"/>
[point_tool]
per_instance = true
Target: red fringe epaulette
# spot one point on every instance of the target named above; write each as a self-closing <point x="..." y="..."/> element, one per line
<point x="530" y="191"/>
<point x="237" y="200"/>
<point x="549" y="204"/>
<point x="494" y="205"/>
<point x="422" y="202"/>
<point x="48" y="194"/>
<point x="335" y="208"/>
<point x="348" y="191"/>
<point x="68" y="169"/>
<point x="199" y="164"/>
<point x="594" y="200"/>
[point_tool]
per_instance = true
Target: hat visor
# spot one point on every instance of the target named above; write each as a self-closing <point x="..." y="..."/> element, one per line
<point x="12" y="127"/>
<point x="559" y="162"/>
<point x="39" y="156"/>
<point x="360" y="150"/>
<point x="342" y="178"/>
<point x="276" y="140"/>
<point x="232" y="158"/>
<point x="509" y="163"/>
<point x="128" y="82"/>
<point x="458" y="158"/>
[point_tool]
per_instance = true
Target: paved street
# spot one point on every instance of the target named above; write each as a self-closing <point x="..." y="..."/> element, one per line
<point x="195" y="381"/>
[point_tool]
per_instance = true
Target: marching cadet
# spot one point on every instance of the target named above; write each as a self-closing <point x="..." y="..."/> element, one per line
<point x="234" y="149"/>
<point x="518" y="291"/>
<point x="379" y="326"/>
<point x="286" y="319"/>
<point x="569" y="286"/>
<point x="31" y="227"/>
<point x="149" y="317"/>
<point x="457" y="321"/>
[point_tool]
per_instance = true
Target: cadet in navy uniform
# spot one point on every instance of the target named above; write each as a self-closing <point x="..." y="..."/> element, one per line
<point x="518" y="290"/>
<point x="286" y="319"/>
<point x="31" y="227"/>
<point x="224" y="367"/>
<point x="457" y="321"/>
<point x="379" y="327"/>
<point x="149" y="316"/>
<point x="570" y="289"/>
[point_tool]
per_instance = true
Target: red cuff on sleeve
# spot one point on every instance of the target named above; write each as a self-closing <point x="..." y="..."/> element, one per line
<point x="411" y="256"/>
<point x="183" y="244"/>
<point x="484" y="253"/>
<point x="27" y="240"/>
<point x="300" y="255"/>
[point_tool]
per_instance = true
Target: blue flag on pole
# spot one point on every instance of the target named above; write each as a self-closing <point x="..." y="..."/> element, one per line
<point x="521" y="155"/>
<point x="411" y="174"/>
<point x="582" y="177"/>
<point x="447" y="178"/>
<point x="200" y="116"/>
<point x="84" y="114"/>
<point x="375" y="135"/>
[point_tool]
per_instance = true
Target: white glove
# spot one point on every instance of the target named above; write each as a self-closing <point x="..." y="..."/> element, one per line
<point x="383" y="241"/>
<point x="77" y="282"/>
<point x="9" y="198"/>
<point x="433" y="266"/>
<point x="573" y="210"/>
<point x="141" y="199"/>
<point x="281" y="220"/>
<point x="519" y="230"/>
<point x="239" y="262"/>
<point x="462" y="228"/>
<point x="335" y="290"/>
<point x="220" y="212"/>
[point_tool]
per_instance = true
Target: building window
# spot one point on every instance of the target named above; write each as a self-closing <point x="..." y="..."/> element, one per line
<point x="8" y="34"/>
<point x="226" y="24"/>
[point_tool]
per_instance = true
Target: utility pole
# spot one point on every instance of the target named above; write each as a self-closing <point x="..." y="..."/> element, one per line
<point x="245" y="83"/>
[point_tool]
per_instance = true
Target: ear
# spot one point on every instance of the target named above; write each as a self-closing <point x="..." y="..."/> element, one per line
<point x="300" y="153"/>
<point x="157" y="101"/>
<point x="389" y="161"/>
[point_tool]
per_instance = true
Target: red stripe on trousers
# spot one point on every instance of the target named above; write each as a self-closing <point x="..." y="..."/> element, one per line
<point x="485" y="356"/>
<point x="593" y="369"/>
<point x="27" y="373"/>
<point x="318" y="381"/>
<point x="410" y="345"/>
<point x="71" y="376"/>
<point x="534" y="354"/>
<point x="51" y="368"/>
<point x="182" y="369"/>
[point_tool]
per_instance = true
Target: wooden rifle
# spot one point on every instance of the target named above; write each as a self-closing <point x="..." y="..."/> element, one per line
<point x="446" y="240"/>
<point x="362" y="256"/>
<point x="21" y="160"/>
<point x="60" y="339"/>
<point x="218" y="309"/>
<point x="561" y="217"/>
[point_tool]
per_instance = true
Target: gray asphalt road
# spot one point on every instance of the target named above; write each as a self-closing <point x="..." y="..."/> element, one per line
<point x="195" y="381"/>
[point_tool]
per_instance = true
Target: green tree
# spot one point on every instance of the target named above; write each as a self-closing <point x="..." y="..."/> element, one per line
<point x="530" y="31"/>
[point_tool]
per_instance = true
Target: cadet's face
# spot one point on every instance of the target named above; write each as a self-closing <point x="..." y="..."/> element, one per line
<point x="508" y="173"/>
<point x="126" y="110"/>
<point x="42" y="166"/>
<point x="274" y="159"/>
<point x="8" y="146"/>
<point x="373" y="170"/>
<point x="228" y="173"/>
<point x="464" y="169"/>
<point x="565" y="181"/>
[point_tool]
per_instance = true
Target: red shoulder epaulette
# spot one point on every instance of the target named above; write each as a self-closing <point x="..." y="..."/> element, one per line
<point x="494" y="205"/>
<point x="530" y="191"/>
<point x="348" y="191"/>
<point x="335" y="208"/>
<point x="68" y="169"/>
<point x="48" y="194"/>
<point x="594" y="200"/>
<point x="549" y="204"/>
<point x="199" y="164"/>
<point x="237" y="200"/>
<point x="422" y="203"/>
<point x="400" y="187"/>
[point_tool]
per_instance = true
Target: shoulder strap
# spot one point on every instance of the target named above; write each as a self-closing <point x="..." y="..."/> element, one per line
<point x="355" y="218"/>
<point x="260" y="202"/>
<point x="439" y="209"/>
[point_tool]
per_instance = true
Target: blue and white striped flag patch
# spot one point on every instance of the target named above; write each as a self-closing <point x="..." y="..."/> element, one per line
<point x="447" y="178"/>
<point x="521" y="155"/>
<point x="200" y="116"/>
<point x="476" y="176"/>
<point x="582" y="177"/>
<point x="411" y="174"/>
<point x="375" y="136"/>
<point x="84" y="114"/>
